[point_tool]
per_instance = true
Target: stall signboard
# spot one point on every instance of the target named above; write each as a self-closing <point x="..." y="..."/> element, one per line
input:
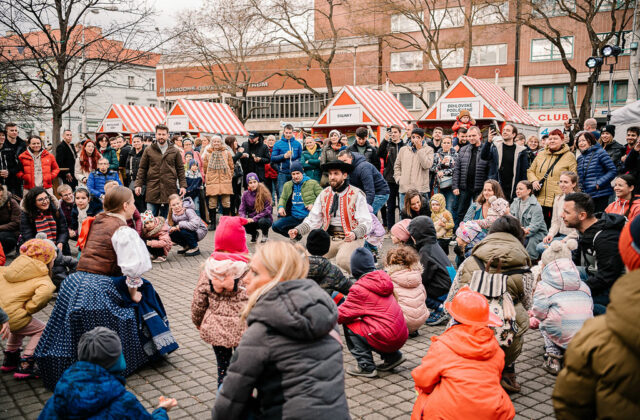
<point x="178" y="123"/>
<point x="113" y="125"/>
<point x="345" y="115"/>
<point x="451" y="109"/>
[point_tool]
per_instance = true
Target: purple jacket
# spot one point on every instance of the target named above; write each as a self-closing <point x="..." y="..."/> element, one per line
<point x="248" y="210"/>
<point x="189" y="220"/>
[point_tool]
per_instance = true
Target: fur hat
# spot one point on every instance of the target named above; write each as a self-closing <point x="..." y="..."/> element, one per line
<point x="401" y="230"/>
<point x="334" y="131"/>
<point x="558" y="250"/>
<point x="224" y="273"/>
<point x="147" y="216"/>
<point x="318" y="242"/>
<point x="42" y="250"/>
<point x="464" y="113"/>
<point x="230" y="241"/>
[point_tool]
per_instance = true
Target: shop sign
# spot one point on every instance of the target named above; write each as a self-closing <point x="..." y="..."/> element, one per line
<point x="180" y="123"/>
<point x="345" y="115"/>
<point x="450" y="110"/>
<point x="551" y="117"/>
<point x="112" y="125"/>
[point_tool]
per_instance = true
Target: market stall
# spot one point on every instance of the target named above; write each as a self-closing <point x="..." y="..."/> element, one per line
<point x="197" y="117"/>
<point x="487" y="103"/>
<point x="355" y="106"/>
<point x="129" y="120"/>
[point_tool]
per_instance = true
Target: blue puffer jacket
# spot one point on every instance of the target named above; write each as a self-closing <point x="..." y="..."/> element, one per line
<point x="89" y="391"/>
<point x="366" y="177"/>
<point x="596" y="169"/>
<point x="97" y="179"/>
<point x="281" y="147"/>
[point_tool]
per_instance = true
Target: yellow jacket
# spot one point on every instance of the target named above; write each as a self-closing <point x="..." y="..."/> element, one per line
<point x="26" y="288"/>
<point x="541" y="164"/>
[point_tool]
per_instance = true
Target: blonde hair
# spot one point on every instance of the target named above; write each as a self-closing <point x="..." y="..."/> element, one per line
<point x="283" y="261"/>
<point x="170" y="215"/>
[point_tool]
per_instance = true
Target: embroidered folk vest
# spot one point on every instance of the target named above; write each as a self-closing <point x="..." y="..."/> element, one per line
<point x="347" y="208"/>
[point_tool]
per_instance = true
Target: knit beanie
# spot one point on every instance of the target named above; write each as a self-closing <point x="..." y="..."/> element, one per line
<point x="230" y="238"/>
<point x="100" y="346"/>
<point x="318" y="242"/>
<point x="629" y="244"/>
<point x="334" y="131"/>
<point x="296" y="167"/>
<point x="42" y="250"/>
<point x="558" y="250"/>
<point x="419" y="131"/>
<point x="400" y="230"/>
<point x="362" y="262"/>
<point x="611" y="129"/>
<point x="146" y="217"/>
<point x="252" y="176"/>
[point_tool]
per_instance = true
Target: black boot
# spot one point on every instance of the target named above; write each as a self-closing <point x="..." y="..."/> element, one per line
<point x="212" y="216"/>
<point x="226" y="211"/>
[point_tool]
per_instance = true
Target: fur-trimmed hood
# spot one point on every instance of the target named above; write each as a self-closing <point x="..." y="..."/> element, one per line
<point x="160" y="224"/>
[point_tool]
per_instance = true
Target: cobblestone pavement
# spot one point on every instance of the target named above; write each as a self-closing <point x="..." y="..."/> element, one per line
<point x="189" y="374"/>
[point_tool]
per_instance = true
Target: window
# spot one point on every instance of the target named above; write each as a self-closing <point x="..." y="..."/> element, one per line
<point x="433" y="96"/>
<point x="490" y="13"/>
<point x="489" y="55"/>
<point x="451" y="58"/>
<point x="408" y="100"/>
<point x="447" y="18"/>
<point x="544" y="50"/>
<point x="552" y="8"/>
<point x="152" y="105"/>
<point x="406" y="61"/>
<point x="402" y="23"/>
<point x="299" y="105"/>
<point x="541" y="97"/>
<point x="618" y="95"/>
<point x="131" y="81"/>
<point x="152" y="84"/>
<point x="627" y="36"/>
<point x="606" y="5"/>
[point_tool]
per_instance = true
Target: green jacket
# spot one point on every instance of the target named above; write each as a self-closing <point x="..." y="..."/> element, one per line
<point x="310" y="191"/>
<point x="311" y="164"/>
<point x="600" y="378"/>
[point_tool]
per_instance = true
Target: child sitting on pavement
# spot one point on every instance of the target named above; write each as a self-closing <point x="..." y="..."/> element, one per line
<point x="321" y="270"/>
<point x="459" y="377"/>
<point x="400" y="232"/>
<point x="26" y="289"/>
<point x="155" y="234"/>
<point x="372" y="318"/>
<point x="94" y="387"/>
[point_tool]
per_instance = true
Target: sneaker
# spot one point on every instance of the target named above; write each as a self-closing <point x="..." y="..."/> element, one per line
<point x="414" y="334"/>
<point x="192" y="252"/>
<point x="509" y="383"/>
<point x="386" y="367"/>
<point x="159" y="259"/>
<point x="358" y="371"/>
<point x="26" y="370"/>
<point x="438" y="317"/>
<point x="11" y="361"/>
<point x="552" y="363"/>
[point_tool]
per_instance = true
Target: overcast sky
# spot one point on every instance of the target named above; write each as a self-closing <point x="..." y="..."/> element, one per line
<point x="168" y="10"/>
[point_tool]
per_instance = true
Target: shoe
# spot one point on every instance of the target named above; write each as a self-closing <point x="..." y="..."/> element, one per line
<point x="358" y="371"/>
<point x="552" y="363"/>
<point x="26" y="370"/>
<point x="192" y="252"/>
<point x="264" y="238"/>
<point x="386" y="367"/>
<point x="509" y="383"/>
<point x="437" y="317"/>
<point x="414" y="334"/>
<point x="212" y="218"/>
<point x="183" y="250"/>
<point x="159" y="260"/>
<point x="254" y="238"/>
<point x="11" y="361"/>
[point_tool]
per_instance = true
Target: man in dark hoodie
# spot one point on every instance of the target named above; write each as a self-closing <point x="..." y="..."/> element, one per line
<point x="366" y="177"/>
<point x="12" y="147"/>
<point x="435" y="277"/>
<point x="362" y="146"/>
<point x="255" y="154"/>
<point x="598" y="240"/>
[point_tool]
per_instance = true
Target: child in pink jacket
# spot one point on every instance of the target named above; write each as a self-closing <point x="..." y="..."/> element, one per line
<point x="372" y="318"/>
<point x="155" y="233"/>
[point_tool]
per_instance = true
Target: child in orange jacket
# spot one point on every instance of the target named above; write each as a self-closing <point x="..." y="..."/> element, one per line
<point x="459" y="378"/>
<point x="463" y="120"/>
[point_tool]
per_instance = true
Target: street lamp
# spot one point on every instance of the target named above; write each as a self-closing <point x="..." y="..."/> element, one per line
<point x="593" y="62"/>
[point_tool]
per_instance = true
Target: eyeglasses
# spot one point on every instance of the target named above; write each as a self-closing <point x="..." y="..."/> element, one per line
<point x="42" y="199"/>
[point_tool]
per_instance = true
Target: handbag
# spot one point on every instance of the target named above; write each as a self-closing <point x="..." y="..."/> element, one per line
<point x="546" y="175"/>
<point x="445" y="181"/>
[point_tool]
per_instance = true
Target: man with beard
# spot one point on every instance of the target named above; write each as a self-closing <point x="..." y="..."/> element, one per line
<point x="462" y="139"/>
<point x="340" y="209"/>
<point x="255" y="154"/>
<point x="12" y="147"/>
<point x="508" y="161"/>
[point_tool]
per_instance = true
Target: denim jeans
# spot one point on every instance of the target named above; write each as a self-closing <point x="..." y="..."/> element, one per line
<point x="362" y="351"/>
<point x="185" y="238"/>
<point x="282" y="179"/>
<point x="401" y="200"/>
<point x="392" y="204"/>
<point x="158" y="209"/>
<point x="541" y="247"/>
<point x="451" y="200"/>
<point x="378" y="202"/>
<point x="283" y="224"/>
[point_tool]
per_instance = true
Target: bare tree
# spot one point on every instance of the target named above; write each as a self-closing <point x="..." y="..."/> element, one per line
<point x="15" y="104"/>
<point x="541" y="17"/>
<point x="60" y="58"/>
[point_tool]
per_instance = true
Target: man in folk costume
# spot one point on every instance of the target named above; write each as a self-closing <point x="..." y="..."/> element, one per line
<point x="340" y="209"/>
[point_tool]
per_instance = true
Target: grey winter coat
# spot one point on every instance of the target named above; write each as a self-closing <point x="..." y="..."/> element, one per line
<point x="529" y="213"/>
<point x="288" y="355"/>
<point x="462" y="167"/>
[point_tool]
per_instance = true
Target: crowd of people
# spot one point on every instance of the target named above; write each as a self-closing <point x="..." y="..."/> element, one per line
<point x="542" y="231"/>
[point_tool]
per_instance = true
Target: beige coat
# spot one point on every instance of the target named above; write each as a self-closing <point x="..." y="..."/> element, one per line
<point x="411" y="170"/>
<point x="407" y="284"/>
<point x="218" y="182"/>
<point x="542" y="163"/>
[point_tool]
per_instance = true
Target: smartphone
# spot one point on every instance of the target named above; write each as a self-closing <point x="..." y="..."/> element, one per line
<point x="573" y="121"/>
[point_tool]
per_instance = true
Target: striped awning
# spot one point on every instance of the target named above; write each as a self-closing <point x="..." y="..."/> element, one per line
<point x="129" y="119"/>
<point x="208" y="117"/>
<point x="385" y="108"/>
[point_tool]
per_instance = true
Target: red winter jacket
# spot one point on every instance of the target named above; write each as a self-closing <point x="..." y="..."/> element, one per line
<point x="50" y="169"/>
<point x="269" y="172"/>
<point x="372" y="312"/>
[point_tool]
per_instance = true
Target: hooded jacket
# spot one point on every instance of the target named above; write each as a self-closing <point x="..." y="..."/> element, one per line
<point x="89" y="391"/>
<point x="529" y="213"/>
<point x="158" y="237"/>
<point x="435" y="276"/>
<point x="372" y="312"/>
<point x="562" y="302"/>
<point x="407" y="283"/>
<point x="599" y="248"/>
<point x="600" y="378"/>
<point x="112" y="156"/>
<point x="543" y="161"/>
<point x="9" y="213"/>
<point x="281" y="147"/>
<point x="366" y="177"/>
<point x="189" y="219"/>
<point x="444" y="215"/>
<point x="492" y="152"/>
<point x="310" y="190"/>
<point x="49" y="166"/>
<point x="412" y="168"/>
<point x="459" y="378"/>
<point x="26" y="288"/>
<point x="289" y="354"/>
<point x="327" y="275"/>
<point x="596" y="171"/>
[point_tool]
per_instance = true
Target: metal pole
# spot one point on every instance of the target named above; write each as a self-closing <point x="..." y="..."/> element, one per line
<point x="610" y="92"/>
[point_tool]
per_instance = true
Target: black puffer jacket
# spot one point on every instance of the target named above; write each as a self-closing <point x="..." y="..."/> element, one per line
<point x="370" y="153"/>
<point x="389" y="152"/>
<point x="462" y="167"/>
<point x="63" y="266"/>
<point x="327" y="275"/>
<point x="435" y="276"/>
<point x="288" y="355"/>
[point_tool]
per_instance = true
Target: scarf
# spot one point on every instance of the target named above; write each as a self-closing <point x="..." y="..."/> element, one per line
<point x="37" y="167"/>
<point x="312" y="150"/>
<point x="217" y="161"/>
<point x="335" y="203"/>
<point x="46" y="224"/>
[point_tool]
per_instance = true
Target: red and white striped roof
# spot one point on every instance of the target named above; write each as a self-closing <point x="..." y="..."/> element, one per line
<point x="209" y="117"/>
<point x="501" y="101"/>
<point x="132" y="119"/>
<point x="379" y="108"/>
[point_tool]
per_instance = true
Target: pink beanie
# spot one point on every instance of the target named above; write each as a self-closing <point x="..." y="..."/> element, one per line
<point x="400" y="230"/>
<point x="231" y="238"/>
